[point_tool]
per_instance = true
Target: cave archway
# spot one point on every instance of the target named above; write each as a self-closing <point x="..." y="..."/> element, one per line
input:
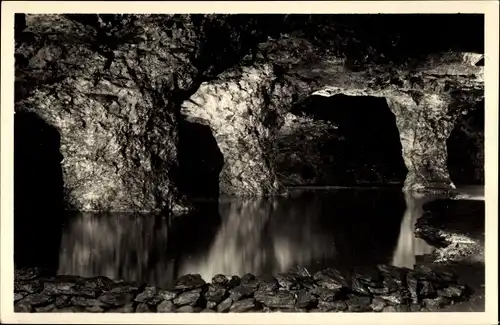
<point x="341" y="141"/>
<point x="466" y="148"/>
<point x="38" y="192"/>
<point x="200" y="161"/>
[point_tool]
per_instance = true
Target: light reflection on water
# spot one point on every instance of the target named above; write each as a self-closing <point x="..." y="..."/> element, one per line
<point x="339" y="228"/>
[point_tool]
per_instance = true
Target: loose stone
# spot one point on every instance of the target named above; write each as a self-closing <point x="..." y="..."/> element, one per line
<point x="38" y="299"/>
<point x="333" y="306"/>
<point x="148" y="294"/>
<point x="359" y="303"/>
<point x="19" y="295"/>
<point x="86" y="302"/>
<point x="94" y="309"/>
<point x="216" y="293"/>
<point x="378" y="304"/>
<point x="249" y="281"/>
<point x="220" y="279"/>
<point x="287" y="281"/>
<point x="143" y="308"/>
<point x="453" y="291"/>
<point x="225" y="305"/>
<point x="278" y="299"/>
<point x="165" y="307"/>
<point x="186" y="309"/>
<point x="330" y="279"/>
<point x="304" y="299"/>
<point x="23" y="307"/>
<point x="116" y="299"/>
<point x="188" y="298"/>
<point x="207" y="310"/>
<point x="436" y="303"/>
<point x="44" y="309"/>
<point x="359" y="287"/>
<point x="243" y="305"/>
<point x="240" y="292"/>
<point x="59" y="288"/>
<point x="189" y="281"/>
<point x="427" y="289"/>
<point x="166" y="294"/>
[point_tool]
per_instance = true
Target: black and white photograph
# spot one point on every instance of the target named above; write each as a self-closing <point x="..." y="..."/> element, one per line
<point x="245" y="163"/>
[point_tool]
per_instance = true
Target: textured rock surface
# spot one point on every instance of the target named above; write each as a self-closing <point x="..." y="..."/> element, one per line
<point x="425" y="114"/>
<point x="309" y="293"/>
<point x="445" y="224"/>
<point x="425" y="96"/>
<point x="110" y="106"/>
<point x="113" y="86"/>
<point x="238" y="107"/>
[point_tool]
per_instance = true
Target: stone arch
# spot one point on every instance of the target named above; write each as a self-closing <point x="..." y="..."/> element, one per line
<point x="341" y="140"/>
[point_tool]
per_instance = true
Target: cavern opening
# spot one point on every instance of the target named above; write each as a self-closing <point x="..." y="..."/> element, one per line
<point x="466" y="147"/>
<point x="38" y="192"/>
<point x="340" y="141"/>
<point x="200" y="160"/>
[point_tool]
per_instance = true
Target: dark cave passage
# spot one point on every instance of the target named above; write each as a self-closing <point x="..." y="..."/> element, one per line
<point x="200" y="161"/>
<point x="362" y="148"/>
<point x="38" y="192"/>
<point x="466" y="148"/>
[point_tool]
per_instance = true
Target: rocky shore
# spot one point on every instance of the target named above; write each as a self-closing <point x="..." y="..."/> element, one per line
<point x="448" y="226"/>
<point x="379" y="289"/>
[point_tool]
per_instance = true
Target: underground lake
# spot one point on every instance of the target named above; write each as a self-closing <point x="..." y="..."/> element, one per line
<point x="312" y="227"/>
<point x="249" y="163"/>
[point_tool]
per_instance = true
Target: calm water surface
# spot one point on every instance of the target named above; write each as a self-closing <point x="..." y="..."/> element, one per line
<point x="313" y="227"/>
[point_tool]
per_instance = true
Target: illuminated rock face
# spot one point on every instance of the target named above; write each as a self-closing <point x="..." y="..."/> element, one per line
<point x="117" y="104"/>
<point x="112" y="110"/>
<point x="240" y="109"/>
<point x="111" y="86"/>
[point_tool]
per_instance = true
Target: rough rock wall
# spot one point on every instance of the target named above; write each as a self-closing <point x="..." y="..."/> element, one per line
<point x="425" y="94"/>
<point x="110" y="106"/>
<point x="112" y="85"/>
<point x="426" y="102"/>
<point x="239" y="108"/>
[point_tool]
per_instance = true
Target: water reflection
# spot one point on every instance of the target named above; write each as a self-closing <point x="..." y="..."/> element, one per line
<point x="116" y="245"/>
<point x="264" y="236"/>
<point x="409" y="247"/>
<point x="339" y="228"/>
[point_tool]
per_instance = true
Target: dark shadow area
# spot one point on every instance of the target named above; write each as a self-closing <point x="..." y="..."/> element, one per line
<point x="456" y="216"/>
<point x="363" y="149"/>
<point x="191" y="236"/>
<point x="200" y="161"/>
<point x="365" y="37"/>
<point x="365" y="225"/>
<point x="466" y="148"/>
<point x="439" y="33"/>
<point x="38" y="193"/>
<point x="471" y="274"/>
<point x="146" y="248"/>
